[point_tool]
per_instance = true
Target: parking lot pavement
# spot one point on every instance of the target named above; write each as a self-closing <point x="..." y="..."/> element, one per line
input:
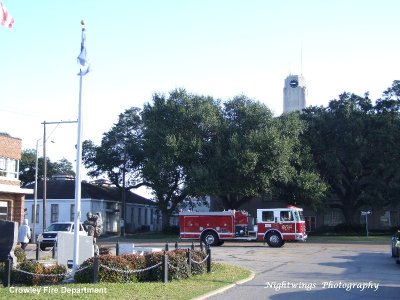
<point x="313" y="271"/>
<point x="303" y="270"/>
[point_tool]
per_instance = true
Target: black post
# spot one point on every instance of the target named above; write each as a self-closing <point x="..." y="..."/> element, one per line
<point x="95" y="269"/>
<point x="117" y="248"/>
<point x="166" y="246"/>
<point x="53" y="251"/>
<point x="7" y="272"/>
<point x="189" y="261"/>
<point x="176" y="245"/>
<point x="192" y="246"/>
<point x="37" y="250"/>
<point x="165" y="268"/>
<point x="208" y="260"/>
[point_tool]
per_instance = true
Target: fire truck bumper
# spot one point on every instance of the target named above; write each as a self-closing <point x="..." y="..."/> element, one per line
<point x="301" y="237"/>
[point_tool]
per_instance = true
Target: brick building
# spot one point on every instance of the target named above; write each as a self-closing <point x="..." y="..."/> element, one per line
<point x="12" y="196"/>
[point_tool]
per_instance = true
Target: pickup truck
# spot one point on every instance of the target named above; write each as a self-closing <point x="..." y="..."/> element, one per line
<point x="49" y="237"/>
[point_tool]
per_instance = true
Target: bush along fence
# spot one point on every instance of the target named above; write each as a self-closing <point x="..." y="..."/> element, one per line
<point x="157" y="266"/>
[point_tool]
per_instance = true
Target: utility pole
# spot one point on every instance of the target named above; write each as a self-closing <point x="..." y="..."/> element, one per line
<point x="45" y="167"/>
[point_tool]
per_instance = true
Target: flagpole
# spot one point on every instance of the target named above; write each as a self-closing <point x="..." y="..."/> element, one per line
<point x="78" y="175"/>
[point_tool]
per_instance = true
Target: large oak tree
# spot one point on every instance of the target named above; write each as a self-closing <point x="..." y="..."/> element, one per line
<point x="178" y="129"/>
<point x="355" y="147"/>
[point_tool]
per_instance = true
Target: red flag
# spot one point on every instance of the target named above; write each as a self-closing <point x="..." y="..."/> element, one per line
<point x="5" y="18"/>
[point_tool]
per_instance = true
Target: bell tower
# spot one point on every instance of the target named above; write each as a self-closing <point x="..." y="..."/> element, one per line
<point x="294" y="93"/>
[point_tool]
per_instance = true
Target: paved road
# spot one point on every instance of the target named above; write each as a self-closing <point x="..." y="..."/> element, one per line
<point x="320" y="271"/>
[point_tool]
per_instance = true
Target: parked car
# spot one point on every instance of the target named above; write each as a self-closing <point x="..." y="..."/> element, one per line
<point x="396" y="245"/>
<point x="49" y="237"/>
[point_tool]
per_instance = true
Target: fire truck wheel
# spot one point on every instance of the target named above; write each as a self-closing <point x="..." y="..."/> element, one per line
<point x="210" y="238"/>
<point x="273" y="239"/>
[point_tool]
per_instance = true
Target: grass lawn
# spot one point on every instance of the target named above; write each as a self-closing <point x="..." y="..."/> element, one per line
<point x="221" y="275"/>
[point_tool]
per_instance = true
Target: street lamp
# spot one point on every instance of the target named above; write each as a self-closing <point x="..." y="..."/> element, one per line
<point x="44" y="177"/>
<point x="35" y="191"/>
<point x="45" y="167"/>
<point x="35" y="195"/>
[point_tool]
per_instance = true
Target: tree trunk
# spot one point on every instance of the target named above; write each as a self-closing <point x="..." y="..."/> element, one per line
<point x="348" y="212"/>
<point x="165" y="214"/>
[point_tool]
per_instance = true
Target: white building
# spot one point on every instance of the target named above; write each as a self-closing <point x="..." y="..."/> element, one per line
<point x="141" y="213"/>
<point x="294" y="93"/>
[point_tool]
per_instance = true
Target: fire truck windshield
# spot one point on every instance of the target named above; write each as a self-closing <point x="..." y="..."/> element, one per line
<point x="299" y="216"/>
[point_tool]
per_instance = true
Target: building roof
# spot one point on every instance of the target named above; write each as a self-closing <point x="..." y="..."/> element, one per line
<point x="65" y="189"/>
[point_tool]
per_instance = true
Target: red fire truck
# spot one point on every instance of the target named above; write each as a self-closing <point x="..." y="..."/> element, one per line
<point x="274" y="226"/>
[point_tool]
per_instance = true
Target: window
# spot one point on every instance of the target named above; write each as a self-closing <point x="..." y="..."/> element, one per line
<point x="384" y="219"/>
<point x="132" y="215"/>
<point x="267" y="216"/>
<point x="394" y="218"/>
<point x="139" y="216"/>
<point x="334" y="217"/>
<point x="3" y="210"/>
<point x="151" y="217"/>
<point x="387" y="219"/>
<point x="145" y="216"/>
<point x="72" y="213"/>
<point x="37" y="213"/>
<point x="286" y="216"/>
<point x="9" y="167"/>
<point x="54" y="213"/>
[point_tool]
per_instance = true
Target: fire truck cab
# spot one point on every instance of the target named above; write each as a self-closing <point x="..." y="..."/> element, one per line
<point x="273" y="226"/>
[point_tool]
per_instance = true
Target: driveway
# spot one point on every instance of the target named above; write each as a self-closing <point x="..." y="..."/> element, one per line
<point x="313" y="271"/>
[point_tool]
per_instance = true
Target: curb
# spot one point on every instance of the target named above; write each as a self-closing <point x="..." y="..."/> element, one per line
<point x="225" y="288"/>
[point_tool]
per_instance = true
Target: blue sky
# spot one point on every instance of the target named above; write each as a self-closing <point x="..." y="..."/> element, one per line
<point x="220" y="48"/>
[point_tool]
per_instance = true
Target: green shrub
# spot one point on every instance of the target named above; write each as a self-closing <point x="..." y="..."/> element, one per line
<point x="108" y="273"/>
<point x="85" y="272"/>
<point x="177" y="268"/>
<point x="136" y="262"/>
<point x="104" y="251"/>
<point x="37" y="269"/>
<point x="349" y="229"/>
<point x="20" y="254"/>
<point x="154" y="274"/>
<point x="196" y="266"/>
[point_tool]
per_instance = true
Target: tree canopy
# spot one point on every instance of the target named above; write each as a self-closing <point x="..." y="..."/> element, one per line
<point x="354" y="146"/>
<point x="183" y="145"/>
<point x="28" y="162"/>
<point x="177" y="131"/>
<point x="120" y="154"/>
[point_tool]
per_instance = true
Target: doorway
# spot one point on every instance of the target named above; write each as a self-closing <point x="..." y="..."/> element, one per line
<point x="310" y="223"/>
